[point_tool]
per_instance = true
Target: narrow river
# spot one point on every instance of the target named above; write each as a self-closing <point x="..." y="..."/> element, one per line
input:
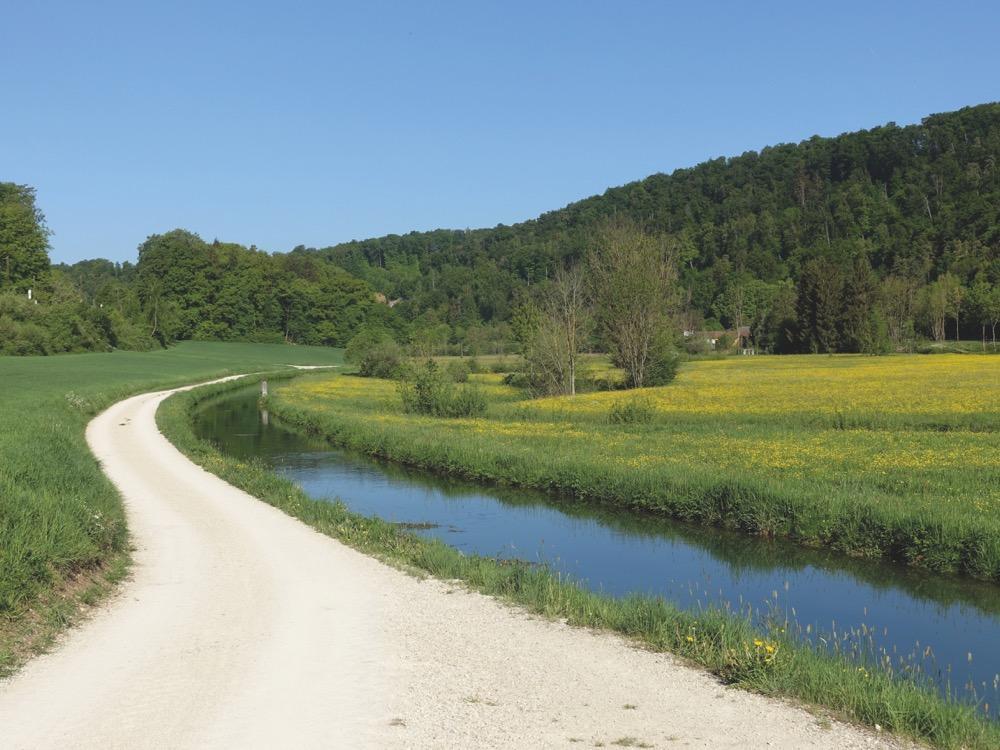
<point x="946" y="629"/>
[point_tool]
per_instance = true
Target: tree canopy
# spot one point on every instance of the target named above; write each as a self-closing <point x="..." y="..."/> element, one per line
<point x="911" y="203"/>
<point x="24" y="238"/>
<point x="854" y="243"/>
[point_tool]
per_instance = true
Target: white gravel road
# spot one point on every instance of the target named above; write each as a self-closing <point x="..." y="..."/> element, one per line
<point x="241" y="627"/>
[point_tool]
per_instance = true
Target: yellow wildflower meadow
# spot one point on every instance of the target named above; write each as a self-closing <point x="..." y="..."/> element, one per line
<point x="918" y="432"/>
<point x="938" y="385"/>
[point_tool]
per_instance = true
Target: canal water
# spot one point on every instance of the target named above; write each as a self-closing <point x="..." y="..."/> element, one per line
<point x="944" y="628"/>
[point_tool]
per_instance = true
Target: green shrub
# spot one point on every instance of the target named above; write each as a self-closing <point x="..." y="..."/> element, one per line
<point x="458" y="371"/>
<point x="384" y="360"/>
<point x="376" y="353"/>
<point x="22" y="338"/>
<point x="210" y="330"/>
<point x="467" y="401"/>
<point x="664" y="361"/>
<point x="58" y="320"/>
<point x="632" y="411"/>
<point x="430" y="391"/>
<point x="697" y="344"/>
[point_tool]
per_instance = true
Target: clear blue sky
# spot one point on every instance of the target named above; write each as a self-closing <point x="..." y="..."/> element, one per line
<point x="316" y="122"/>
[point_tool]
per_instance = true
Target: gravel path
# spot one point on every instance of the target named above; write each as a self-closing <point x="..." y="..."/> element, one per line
<point x="241" y="627"/>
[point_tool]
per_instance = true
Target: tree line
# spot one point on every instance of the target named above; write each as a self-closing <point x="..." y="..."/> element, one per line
<point x="181" y="287"/>
<point x="867" y="242"/>
<point x="832" y="244"/>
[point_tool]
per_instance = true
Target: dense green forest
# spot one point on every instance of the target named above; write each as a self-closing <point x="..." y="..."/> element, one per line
<point x="820" y="245"/>
<point x="863" y="242"/>
<point x="181" y="288"/>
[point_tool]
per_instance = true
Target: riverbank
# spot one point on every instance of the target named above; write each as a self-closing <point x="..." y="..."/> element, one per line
<point x="725" y="645"/>
<point x="63" y="536"/>
<point x="242" y="627"/>
<point x="891" y="458"/>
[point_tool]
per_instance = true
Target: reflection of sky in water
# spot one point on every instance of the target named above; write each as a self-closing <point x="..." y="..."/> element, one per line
<point x="620" y="554"/>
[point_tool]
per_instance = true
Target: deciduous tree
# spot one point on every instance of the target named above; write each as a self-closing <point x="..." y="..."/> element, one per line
<point x="634" y="281"/>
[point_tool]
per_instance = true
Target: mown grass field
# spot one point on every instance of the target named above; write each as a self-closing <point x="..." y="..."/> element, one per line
<point x="722" y="642"/>
<point x="62" y="525"/>
<point x="892" y="457"/>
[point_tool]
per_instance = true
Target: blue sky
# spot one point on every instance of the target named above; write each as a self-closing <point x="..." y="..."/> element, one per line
<point x="279" y="124"/>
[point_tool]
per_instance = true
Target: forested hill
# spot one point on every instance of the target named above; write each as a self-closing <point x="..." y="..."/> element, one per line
<point x="914" y="202"/>
<point x="854" y="243"/>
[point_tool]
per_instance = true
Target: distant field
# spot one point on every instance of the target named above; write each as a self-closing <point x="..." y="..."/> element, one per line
<point x="62" y="529"/>
<point x="893" y="457"/>
<point x="921" y="391"/>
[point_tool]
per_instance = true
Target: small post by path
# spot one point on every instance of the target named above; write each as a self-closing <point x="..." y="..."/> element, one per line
<point x="263" y="388"/>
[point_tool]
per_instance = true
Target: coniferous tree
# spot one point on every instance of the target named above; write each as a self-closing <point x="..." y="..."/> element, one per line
<point x="820" y="300"/>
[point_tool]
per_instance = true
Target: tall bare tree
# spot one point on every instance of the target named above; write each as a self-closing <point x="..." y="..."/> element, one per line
<point x="634" y="282"/>
<point x="558" y="333"/>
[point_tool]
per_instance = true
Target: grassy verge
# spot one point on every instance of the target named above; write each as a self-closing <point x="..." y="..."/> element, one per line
<point x="63" y="538"/>
<point x="725" y="644"/>
<point x="736" y="444"/>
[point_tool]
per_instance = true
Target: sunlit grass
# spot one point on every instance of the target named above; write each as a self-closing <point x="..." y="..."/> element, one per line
<point x="938" y="391"/>
<point x="61" y="521"/>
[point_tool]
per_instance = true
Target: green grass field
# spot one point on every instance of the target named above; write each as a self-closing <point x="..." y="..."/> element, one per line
<point x="62" y="529"/>
<point x="883" y="457"/>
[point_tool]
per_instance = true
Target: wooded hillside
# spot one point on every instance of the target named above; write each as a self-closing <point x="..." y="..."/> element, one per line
<point x="763" y="238"/>
<point x="861" y="242"/>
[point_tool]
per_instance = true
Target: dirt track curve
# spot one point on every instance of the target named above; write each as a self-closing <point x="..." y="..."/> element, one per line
<point x="241" y="627"/>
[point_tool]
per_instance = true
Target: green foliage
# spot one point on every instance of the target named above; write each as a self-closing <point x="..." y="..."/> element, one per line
<point x="917" y="201"/>
<point x="820" y="300"/>
<point x="58" y="320"/>
<point x="631" y="411"/>
<point x="634" y="282"/>
<point x="777" y="240"/>
<point x="375" y="352"/>
<point x="20" y="337"/>
<point x="220" y="291"/>
<point x="458" y="370"/>
<point x="517" y="380"/>
<point x="697" y="345"/>
<point x="24" y="238"/>
<point x="664" y="360"/>
<point x="431" y="391"/>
